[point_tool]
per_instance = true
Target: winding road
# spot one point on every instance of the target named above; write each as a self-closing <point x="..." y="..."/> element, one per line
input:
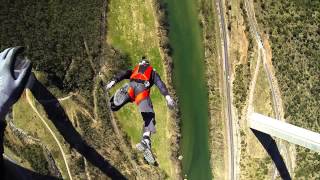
<point x="226" y="74"/>
<point x="264" y="59"/>
<point x="276" y="105"/>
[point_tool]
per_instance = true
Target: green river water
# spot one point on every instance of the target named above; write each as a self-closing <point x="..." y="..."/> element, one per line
<point x="190" y="83"/>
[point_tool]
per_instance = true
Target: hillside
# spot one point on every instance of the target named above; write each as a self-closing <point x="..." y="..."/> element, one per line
<point x="293" y="31"/>
<point x="221" y="60"/>
<point x="61" y="126"/>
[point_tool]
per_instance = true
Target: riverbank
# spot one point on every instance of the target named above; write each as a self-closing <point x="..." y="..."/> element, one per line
<point x="217" y="138"/>
<point x="165" y="52"/>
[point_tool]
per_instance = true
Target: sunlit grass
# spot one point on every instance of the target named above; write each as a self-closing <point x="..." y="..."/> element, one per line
<point x="132" y="30"/>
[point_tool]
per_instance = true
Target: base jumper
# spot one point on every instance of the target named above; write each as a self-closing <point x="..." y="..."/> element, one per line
<point x="142" y="78"/>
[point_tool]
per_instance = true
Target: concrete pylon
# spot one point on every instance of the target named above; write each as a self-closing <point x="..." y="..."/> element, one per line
<point x="286" y="131"/>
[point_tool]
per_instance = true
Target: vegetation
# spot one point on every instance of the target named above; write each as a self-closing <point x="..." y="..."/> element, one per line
<point x="34" y="154"/>
<point x="135" y="30"/>
<point x="66" y="43"/>
<point x="244" y="69"/>
<point x="262" y="99"/>
<point x="241" y="85"/>
<point x="293" y="29"/>
<point x="255" y="163"/>
<point x="31" y="153"/>
<point x="54" y="33"/>
<point x="211" y="39"/>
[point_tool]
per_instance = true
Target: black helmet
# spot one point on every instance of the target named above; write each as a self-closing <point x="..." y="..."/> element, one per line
<point x="144" y="60"/>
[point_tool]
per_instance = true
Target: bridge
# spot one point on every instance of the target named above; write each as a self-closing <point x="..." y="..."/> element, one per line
<point x="285" y="131"/>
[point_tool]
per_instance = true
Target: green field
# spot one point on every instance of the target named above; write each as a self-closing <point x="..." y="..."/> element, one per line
<point x="132" y="31"/>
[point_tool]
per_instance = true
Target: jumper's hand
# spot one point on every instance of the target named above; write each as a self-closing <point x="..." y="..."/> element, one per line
<point x="11" y="87"/>
<point x="170" y="101"/>
<point x="110" y="84"/>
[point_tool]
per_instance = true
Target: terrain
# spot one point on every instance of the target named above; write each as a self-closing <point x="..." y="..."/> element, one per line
<point x="62" y="126"/>
<point x="64" y="108"/>
<point x="135" y="32"/>
<point x="258" y="31"/>
<point x="294" y="41"/>
<point x="209" y="21"/>
<point x="221" y="60"/>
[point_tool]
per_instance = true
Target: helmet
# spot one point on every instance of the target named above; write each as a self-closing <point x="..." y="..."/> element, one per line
<point x="144" y="61"/>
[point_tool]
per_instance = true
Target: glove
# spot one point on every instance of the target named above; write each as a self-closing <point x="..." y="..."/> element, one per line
<point x="110" y="84"/>
<point x="11" y="87"/>
<point x="170" y="101"/>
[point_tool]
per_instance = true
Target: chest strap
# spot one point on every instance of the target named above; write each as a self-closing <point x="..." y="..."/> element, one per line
<point x="141" y="96"/>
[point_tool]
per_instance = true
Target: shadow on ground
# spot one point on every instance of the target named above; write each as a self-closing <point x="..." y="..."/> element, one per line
<point x="61" y="121"/>
<point x="14" y="171"/>
<point x="272" y="149"/>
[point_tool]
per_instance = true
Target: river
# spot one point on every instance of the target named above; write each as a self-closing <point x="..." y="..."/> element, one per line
<point x="190" y="83"/>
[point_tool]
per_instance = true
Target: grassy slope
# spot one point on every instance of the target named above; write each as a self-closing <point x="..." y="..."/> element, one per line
<point x="262" y="100"/>
<point x="9" y="136"/>
<point x="260" y="162"/>
<point x="25" y="118"/>
<point x="254" y="163"/>
<point x="132" y="30"/>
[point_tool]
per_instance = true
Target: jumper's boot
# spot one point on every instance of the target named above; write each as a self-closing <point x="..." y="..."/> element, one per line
<point x="144" y="144"/>
<point x="145" y="147"/>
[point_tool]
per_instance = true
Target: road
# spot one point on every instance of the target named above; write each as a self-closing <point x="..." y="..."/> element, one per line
<point x="264" y="59"/>
<point x="276" y="104"/>
<point x="223" y="33"/>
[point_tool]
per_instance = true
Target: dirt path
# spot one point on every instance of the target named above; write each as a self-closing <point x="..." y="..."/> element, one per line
<point x="59" y="99"/>
<point x="86" y="169"/>
<point x="50" y="130"/>
<point x="95" y="101"/>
